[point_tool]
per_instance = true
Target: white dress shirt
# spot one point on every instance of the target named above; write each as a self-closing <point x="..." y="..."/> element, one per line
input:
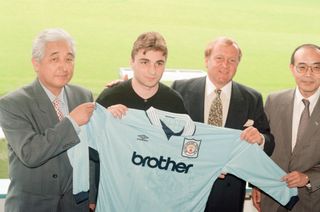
<point x="225" y="99"/>
<point x="210" y="95"/>
<point x="63" y="106"/>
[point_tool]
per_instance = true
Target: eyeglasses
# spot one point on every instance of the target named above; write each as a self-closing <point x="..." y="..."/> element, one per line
<point x="303" y="68"/>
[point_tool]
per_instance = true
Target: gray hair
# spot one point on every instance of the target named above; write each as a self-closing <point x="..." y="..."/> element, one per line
<point x="50" y="35"/>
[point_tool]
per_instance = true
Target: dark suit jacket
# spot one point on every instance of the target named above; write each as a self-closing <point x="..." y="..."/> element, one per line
<point x="39" y="168"/>
<point x="245" y="103"/>
<point x="305" y="156"/>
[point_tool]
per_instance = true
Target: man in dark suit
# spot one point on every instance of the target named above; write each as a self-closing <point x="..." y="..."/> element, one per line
<point x="41" y="122"/>
<point x="242" y="108"/>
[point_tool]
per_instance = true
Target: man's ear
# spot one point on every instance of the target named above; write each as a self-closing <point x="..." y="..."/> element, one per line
<point x="206" y="59"/>
<point x="131" y="61"/>
<point x="35" y="64"/>
<point x="292" y="68"/>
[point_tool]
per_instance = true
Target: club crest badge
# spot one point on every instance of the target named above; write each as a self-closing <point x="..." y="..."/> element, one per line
<point x="190" y="148"/>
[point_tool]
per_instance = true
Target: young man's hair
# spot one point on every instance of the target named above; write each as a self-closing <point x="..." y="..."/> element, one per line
<point x="149" y="41"/>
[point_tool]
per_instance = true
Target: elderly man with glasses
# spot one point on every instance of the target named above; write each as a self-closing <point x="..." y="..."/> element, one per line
<point x="294" y="117"/>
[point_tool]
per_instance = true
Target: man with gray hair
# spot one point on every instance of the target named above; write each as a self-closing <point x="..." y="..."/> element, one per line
<point x="41" y="122"/>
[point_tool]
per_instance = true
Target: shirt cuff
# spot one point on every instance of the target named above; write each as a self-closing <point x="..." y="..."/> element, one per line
<point x="74" y="124"/>
<point x="263" y="141"/>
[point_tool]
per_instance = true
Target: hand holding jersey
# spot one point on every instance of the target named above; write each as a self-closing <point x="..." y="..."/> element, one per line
<point x="169" y="162"/>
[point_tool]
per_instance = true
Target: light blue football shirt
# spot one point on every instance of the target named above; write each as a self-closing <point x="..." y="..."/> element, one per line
<point x="161" y="161"/>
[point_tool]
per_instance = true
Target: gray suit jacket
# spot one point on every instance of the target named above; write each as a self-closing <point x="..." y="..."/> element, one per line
<point x="39" y="168"/>
<point x="305" y="156"/>
<point x="245" y="103"/>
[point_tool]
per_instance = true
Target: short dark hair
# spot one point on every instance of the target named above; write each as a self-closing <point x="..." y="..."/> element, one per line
<point x="308" y="45"/>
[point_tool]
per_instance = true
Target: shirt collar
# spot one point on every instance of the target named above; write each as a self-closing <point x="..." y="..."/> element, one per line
<point x="51" y="96"/>
<point x="210" y="87"/>
<point x="312" y="99"/>
<point x="155" y="116"/>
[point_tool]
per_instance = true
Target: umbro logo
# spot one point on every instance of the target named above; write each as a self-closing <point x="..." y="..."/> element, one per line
<point x="143" y="138"/>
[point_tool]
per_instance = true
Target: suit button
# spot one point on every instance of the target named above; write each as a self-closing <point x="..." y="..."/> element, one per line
<point x="54" y="175"/>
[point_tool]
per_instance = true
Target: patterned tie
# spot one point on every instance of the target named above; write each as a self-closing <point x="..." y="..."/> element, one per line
<point x="56" y="104"/>
<point x="215" y="114"/>
<point x="304" y="119"/>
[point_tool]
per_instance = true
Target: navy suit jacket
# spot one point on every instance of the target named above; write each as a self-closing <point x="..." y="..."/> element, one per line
<point x="245" y="103"/>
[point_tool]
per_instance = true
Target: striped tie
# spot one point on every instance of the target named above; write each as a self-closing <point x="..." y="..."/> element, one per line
<point x="56" y="104"/>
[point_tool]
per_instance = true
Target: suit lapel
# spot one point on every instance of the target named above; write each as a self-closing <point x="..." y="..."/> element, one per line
<point x="199" y="94"/>
<point x="314" y="123"/>
<point x="43" y="103"/>
<point x="237" y="113"/>
<point x="285" y="119"/>
<point x="196" y="99"/>
<point x="69" y="94"/>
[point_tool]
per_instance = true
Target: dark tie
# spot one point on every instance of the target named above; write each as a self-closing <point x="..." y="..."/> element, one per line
<point x="56" y="104"/>
<point x="215" y="113"/>
<point x="304" y="119"/>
